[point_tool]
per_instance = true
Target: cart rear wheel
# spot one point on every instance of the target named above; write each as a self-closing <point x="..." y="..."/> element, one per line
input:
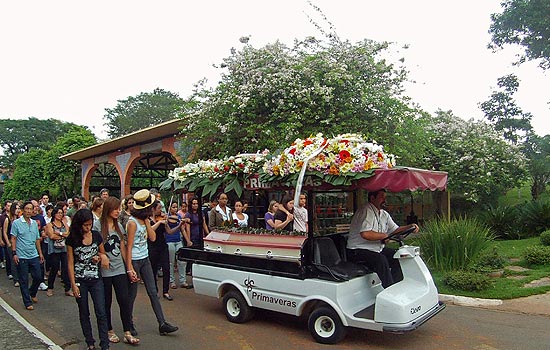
<point x="325" y="326"/>
<point x="235" y="307"/>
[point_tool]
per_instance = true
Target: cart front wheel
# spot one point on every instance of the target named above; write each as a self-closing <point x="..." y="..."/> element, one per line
<point x="325" y="326"/>
<point x="235" y="307"/>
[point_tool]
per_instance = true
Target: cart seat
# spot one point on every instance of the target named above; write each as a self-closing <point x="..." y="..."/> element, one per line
<point x="327" y="260"/>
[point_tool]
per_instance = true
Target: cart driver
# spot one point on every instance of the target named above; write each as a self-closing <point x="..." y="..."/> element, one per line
<point x="369" y="228"/>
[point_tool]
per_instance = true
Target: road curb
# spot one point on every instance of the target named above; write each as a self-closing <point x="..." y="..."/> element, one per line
<point x="467" y="301"/>
<point x="29" y="327"/>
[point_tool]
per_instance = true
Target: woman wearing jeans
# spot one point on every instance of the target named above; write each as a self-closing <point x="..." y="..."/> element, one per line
<point x="57" y="231"/>
<point x="85" y="251"/>
<point x="137" y="256"/>
<point x="176" y="234"/>
<point x="115" y="275"/>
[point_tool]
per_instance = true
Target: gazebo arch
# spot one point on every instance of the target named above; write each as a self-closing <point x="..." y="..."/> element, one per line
<point x="152" y="149"/>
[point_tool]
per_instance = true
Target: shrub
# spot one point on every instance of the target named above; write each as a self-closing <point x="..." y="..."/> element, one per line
<point x="535" y="217"/>
<point x="545" y="238"/>
<point x="503" y="221"/>
<point x="469" y="281"/>
<point x="537" y="255"/>
<point x="453" y="245"/>
<point x="489" y="261"/>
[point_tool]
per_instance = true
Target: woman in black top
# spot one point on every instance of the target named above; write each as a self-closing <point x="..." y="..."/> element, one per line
<point x="283" y="216"/>
<point x="84" y="254"/>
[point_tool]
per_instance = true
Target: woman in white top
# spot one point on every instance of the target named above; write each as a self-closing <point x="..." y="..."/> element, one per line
<point x="239" y="217"/>
<point x="137" y="257"/>
<point x="97" y="209"/>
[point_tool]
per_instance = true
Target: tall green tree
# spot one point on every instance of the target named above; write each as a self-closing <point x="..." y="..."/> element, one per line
<point x="480" y="162"/>
<point x="63" y="177"/>
<point x="525" y="23"/>
<point x="41" y="170"/>
<point x="503" y="112"/>
<point x="27" y="181"/>
<point x="144" y="110"/>
<point x="538" y="152"/>
<point x="508" y="118"/>
<point x="269" y="96"/>
<point x="20" y="136"/>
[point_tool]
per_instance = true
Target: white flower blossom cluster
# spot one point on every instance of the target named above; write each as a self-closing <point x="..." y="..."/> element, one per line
<point x="218" y="168"/>
<point x="479" y="161"/>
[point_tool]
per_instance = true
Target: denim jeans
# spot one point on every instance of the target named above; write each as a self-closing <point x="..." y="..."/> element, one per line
<point x="11" y="269"/>
<point x="55" y="260"/>
<point x="159" y="260"/>
<point x="46" y="265"/>
<point x="144" y="270"/>
<point x="95" y="288"/>
<point x="23" y="268"/>
<point x="121" y="284"/>
<point x="173" y="248"/>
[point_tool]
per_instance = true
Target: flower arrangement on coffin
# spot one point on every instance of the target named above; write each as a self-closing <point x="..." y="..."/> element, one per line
<point x="212" y="174"/>
<point x="338" y="161"/>
<point x="342" y="159"/>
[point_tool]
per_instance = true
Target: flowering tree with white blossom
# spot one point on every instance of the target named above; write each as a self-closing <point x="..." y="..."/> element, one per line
<point x="269" y="96"/>
<point x="480" y="162"/>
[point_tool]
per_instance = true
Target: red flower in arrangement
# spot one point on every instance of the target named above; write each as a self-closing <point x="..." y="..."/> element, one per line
<point x="345" y="156"/>
<point x="308" y="142"/>
<point x="346" y="142"/>
<point x="226" y="168"/>
<point x="241" y="166"/>
<point x="216" y="169"/>
<point x="292" y="151"/>
<point x="325" y="141"/>
<point x="380" y="156"/>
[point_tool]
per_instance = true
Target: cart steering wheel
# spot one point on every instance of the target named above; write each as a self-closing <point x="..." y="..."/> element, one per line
<point x="399" y="237"/>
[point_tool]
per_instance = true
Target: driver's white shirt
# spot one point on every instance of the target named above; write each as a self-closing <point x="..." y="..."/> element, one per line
<point x="369" y="218"/>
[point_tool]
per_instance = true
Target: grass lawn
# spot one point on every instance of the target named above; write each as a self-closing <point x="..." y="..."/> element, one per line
<point x="520" y="195"/>
<point x="505" y="287"/>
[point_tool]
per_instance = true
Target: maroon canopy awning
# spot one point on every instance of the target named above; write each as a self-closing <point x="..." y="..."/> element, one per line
<point x="400" y="179"/>
<point x="394" y="180"/>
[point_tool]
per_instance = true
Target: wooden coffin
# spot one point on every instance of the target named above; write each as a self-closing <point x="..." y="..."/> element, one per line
<point x="277" y="247"/>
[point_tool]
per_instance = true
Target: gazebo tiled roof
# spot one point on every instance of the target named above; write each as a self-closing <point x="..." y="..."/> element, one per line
<point x="157" y="132"/>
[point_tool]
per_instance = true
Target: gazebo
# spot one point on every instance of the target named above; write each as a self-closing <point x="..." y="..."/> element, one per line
<point x="148" y="154"/>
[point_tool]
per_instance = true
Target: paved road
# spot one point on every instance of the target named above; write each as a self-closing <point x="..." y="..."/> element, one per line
<point x="204" y="327"/>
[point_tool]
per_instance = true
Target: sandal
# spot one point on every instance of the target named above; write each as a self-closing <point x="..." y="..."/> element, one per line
<point x="49" y="292"/>
<point x="91" y="347"/>
<point x="113" y="338"/>
<point x="130" y="339"/>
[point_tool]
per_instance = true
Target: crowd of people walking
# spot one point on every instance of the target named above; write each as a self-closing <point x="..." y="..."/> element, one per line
<point x="111" y="244"/>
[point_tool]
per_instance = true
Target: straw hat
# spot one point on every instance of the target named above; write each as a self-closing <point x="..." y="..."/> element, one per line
<point x="143" y="199"/>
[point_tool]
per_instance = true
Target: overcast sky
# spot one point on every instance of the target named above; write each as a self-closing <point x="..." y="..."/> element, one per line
<point x="70" y="60"/>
